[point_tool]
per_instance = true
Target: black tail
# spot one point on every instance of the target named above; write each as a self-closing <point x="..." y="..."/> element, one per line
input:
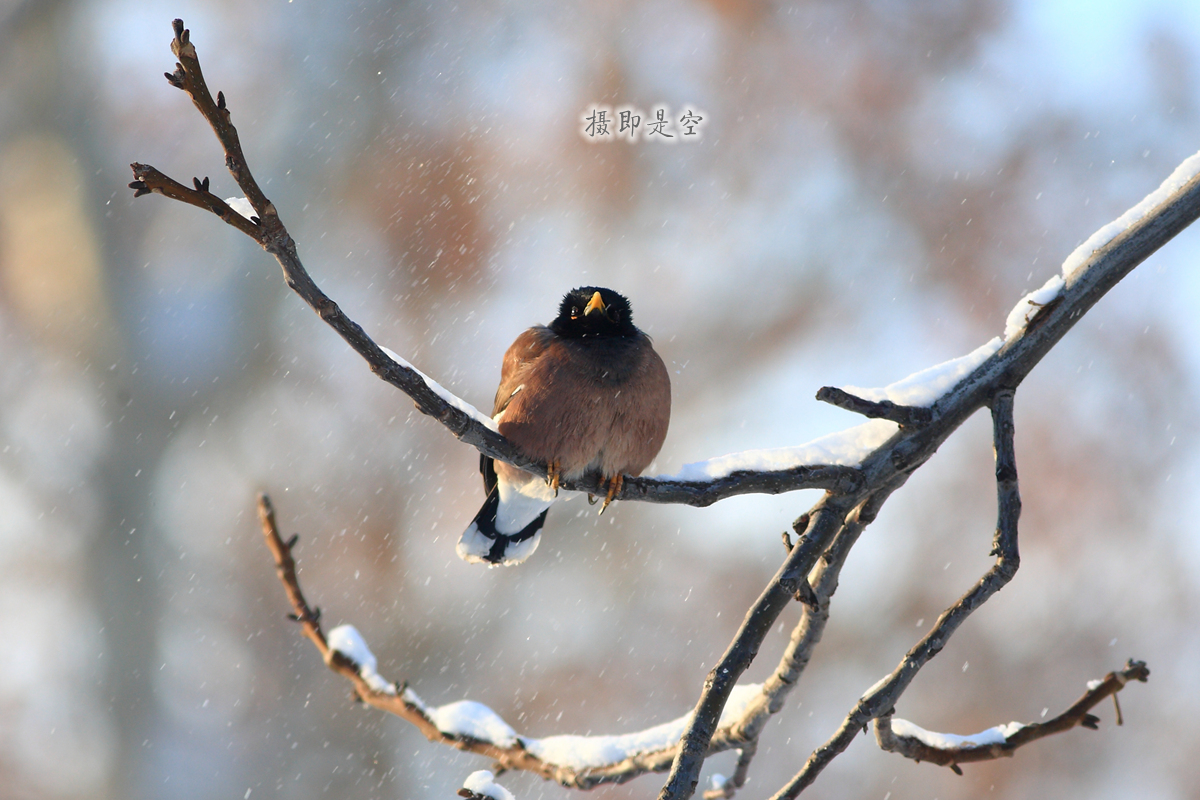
<point x="482" y="543"/>
<point x="487" y="468"/>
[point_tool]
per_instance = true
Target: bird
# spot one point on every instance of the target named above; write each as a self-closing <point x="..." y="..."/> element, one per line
<point x="586" y="393"/>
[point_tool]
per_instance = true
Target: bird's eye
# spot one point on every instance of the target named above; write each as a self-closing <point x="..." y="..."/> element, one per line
<point x="574" y="312"/>
<point x="613" y="313"/>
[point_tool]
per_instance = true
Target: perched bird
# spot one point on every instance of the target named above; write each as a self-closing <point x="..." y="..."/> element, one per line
<point x="586" y="393"/>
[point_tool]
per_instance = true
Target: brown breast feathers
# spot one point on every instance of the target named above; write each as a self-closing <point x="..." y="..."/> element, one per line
<point x="587" y="403"/>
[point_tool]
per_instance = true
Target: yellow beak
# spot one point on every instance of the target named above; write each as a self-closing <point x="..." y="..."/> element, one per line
<point x="593" y="304"/>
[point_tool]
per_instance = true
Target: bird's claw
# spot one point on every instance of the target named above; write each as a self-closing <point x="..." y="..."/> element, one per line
<point x="614" y="488"/>
<point x="553" y="473"/>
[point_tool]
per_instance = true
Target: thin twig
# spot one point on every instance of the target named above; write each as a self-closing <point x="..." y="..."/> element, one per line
<point x="729" y="788"/>
<point x="1077" y="715"/>
<point x="149" y="180"/>
<point x="190" y="78"/>
<point x="905" y="416"/>
<point x="285" y="569"/>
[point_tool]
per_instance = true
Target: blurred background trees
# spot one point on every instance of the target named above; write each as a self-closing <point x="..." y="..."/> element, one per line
<point x="877" y="184"/>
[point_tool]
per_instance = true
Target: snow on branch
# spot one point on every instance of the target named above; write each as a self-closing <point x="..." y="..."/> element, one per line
<point x="907" y="402"/>
<point x="346" y="640"/>
<point x="1150" y="208"/>
<point x="1030" y="306"/>
<point x="482" y="785"/>
<point x="589" y="752"/>
<point x="827" y="465"/>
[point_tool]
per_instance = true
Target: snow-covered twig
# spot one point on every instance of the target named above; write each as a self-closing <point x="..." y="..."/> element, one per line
<point x="904" y="416"/>
<point x="369" y="686"/>
<point x="575" y="761"/>
<point x="947" y="750"/>
<point x="908" y="402"/>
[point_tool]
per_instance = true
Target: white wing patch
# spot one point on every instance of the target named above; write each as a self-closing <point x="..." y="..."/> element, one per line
<point x="500" y="414"/>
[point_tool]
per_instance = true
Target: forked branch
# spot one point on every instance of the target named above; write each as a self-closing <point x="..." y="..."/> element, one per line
<point x="882" y="697"/>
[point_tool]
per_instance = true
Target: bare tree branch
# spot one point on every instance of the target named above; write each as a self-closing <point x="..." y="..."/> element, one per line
<point x="742" y="734"/>
<point x="825" y="521"/>
<point x="149" y="180"/>
<point x="822" y="581"/>
<point x="1006" y="739"/>
<point x="464" y="422"/>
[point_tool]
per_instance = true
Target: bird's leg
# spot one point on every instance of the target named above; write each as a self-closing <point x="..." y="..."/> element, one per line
<point x="553" y="473"/>
<point x="614" y="488"/>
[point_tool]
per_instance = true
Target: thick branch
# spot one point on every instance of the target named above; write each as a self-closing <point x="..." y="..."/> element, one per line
<point x="835" y="479"/>
<point x="951" y="756"/>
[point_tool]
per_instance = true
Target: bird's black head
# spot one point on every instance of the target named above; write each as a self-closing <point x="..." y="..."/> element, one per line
<point x="590" y="311"/>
